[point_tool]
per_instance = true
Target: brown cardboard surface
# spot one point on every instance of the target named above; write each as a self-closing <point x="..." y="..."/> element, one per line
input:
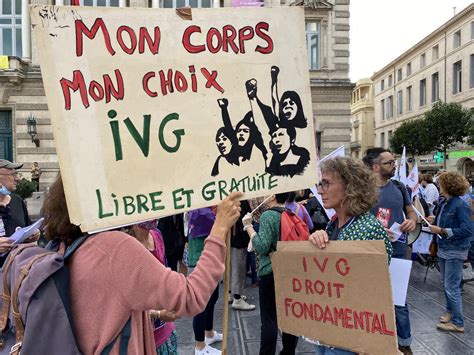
<point x="340" y="295"/>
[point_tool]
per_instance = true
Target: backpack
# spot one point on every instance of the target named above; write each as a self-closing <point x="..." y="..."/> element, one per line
<point x="36" y="313"/>
<point x="403" y="190"/>
<point x="292" y="227"/>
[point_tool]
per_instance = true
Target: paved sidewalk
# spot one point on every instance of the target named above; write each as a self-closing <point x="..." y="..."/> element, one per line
<point x="426" y="302"/>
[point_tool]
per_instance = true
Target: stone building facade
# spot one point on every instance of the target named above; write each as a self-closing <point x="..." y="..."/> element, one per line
<point x="362" y="118"/>
<point x="22" y="93"/>
<point x="439" y="67"/>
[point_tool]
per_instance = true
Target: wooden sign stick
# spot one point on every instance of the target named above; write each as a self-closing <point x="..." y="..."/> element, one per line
<point x="225" y="325"/>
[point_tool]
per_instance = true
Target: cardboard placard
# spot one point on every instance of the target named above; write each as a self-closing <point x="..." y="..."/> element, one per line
<point x="340" y="295"/>
<point x="154" y="113"/>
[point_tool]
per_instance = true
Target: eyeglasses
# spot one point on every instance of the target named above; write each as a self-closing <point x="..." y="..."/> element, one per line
<point x="323" y="185"/>
<point x="390" y="162"/>
<point x="13" y="173"/>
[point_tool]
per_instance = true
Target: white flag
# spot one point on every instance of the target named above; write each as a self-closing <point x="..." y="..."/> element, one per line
<point x="339" y="152"/>
<point x="402" y="169"/>
<point x="396" y="175"/>
<point x="412" y="179"/>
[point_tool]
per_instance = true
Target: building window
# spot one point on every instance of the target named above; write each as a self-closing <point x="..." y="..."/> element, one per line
<point x="400" y="102"/>
<point x="114" y="3"/>
<point x="382" y="140"/>
<point x="471" y="74"/>
<point x="390" y="80"/>
<point x="312" y="42"/>
<point x="457" y="39"/>
<point x="434" y="87"/>
<point x="389" y="109"/>
<point x="382" y="109"/>
<point x="457" y="77"/>
<point x="423" y="60"/>
<point x="10" y="27"/>
<point x="389" y="137"/>
<point x="472" y="30"/>
<point x="399" y="74"/>
<point x="6" y="140"/>
<point x="409" y="100"/>
<point x="435" y="52"/>
<point x="409" y="69"/>
<point x="382" y="85"/>
<point x="422" y="92"/>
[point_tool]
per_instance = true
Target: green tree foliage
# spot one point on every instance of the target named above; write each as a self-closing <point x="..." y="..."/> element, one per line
<point x="25" y="188"/>
<point x="446" y="124"/>
<point x="411" y="135"/>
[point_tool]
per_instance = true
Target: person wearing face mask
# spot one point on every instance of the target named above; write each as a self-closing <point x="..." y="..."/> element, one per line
<point x="13" y="212"/>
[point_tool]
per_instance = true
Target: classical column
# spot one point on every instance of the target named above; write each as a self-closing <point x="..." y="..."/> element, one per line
<point x="122" y="3"/>
<point x="59" y="2"/>
<point x="323" y="36"/>
<point x="216" y="3"/>
<point x="25" y="31"/>
<point x="155" y="4"/>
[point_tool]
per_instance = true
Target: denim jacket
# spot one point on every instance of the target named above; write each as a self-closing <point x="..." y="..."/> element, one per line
<point x="455" y="217"/>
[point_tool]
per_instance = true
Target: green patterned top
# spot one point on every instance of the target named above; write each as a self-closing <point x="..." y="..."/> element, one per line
<point x="367" y="227"/>
<point x="266" y="240"/>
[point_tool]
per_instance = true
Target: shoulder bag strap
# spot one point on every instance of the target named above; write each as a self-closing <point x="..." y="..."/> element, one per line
<point x="126" y="332"/>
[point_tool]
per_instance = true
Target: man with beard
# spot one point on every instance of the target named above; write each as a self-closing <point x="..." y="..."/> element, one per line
<point x="393" y="205"/>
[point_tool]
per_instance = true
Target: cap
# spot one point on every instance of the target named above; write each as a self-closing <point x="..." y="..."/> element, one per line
<point x="9" y="165"/>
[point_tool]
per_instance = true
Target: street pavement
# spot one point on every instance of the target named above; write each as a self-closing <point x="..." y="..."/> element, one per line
<point x="425" y="300"/>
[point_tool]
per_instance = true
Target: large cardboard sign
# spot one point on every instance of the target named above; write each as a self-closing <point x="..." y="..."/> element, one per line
<point x="154" y="113"/>
<point x="340" y="296"/>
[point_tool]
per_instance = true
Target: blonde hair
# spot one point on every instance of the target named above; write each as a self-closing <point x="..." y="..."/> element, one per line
<point x="360" y="183"/>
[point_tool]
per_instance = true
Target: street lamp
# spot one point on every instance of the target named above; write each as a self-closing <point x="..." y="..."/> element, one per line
<point x="31" y="122"/>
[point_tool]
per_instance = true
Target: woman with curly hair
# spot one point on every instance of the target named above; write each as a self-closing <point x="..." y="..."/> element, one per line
<point x="349" y="187"/>
<point x="454" y="227"/>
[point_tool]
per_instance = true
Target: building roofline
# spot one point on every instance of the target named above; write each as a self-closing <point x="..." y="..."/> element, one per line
<point x="433" y="34"/>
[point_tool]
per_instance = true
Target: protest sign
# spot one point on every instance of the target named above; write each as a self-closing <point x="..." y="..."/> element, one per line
<point x="154" y="114"/>
<point x="339" y="295"/>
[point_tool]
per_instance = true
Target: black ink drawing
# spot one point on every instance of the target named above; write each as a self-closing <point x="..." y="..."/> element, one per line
<point x="282" y="119"/>
<point x="54" y="18"/>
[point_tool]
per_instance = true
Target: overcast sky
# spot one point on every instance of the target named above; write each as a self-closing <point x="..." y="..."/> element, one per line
<point x="381" y="30"/>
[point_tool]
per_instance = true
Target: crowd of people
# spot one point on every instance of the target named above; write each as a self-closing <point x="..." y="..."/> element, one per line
<point x="188" y="251"/>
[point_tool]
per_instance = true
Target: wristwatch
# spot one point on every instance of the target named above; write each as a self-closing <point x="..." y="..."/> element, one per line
<point x="444" y="233"/>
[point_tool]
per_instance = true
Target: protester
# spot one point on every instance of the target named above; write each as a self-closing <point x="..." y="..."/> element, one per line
<point x="430" y="191"/>
<point x="238" y="259"/>
<point x="166" y="339"/>
<point x="36" y="174"/>
<point x="351" y="189"/>
<point x="265" y="242"/>
<point x="298" y="209"/>
<point x="13" y="210"/>
<point x="393" y="206"/>
<point x="113" y="278"/>
<point x="172" y="229"/>
<point x="453" y="224"/>
<point x="258" y="206"/>
<point x="200" y="222"/>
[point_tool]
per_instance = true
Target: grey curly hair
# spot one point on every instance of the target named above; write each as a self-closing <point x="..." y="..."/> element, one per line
<point x="360" y="183"/>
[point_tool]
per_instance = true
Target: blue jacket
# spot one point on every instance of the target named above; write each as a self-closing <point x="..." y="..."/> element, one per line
<point x="455" y="217"/>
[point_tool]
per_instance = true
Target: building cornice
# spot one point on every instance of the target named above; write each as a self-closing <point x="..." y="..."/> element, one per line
<point x="427" y="39"/>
